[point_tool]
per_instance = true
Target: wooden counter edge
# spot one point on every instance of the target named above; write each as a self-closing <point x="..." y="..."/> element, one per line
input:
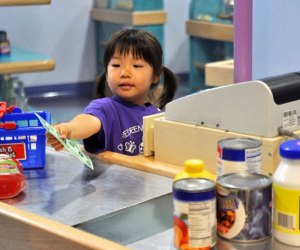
<point x="25" y="230"/>
<point x="140" y="162"/>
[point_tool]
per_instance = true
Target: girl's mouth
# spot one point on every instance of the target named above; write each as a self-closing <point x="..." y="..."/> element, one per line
<point x="126" y="86"/>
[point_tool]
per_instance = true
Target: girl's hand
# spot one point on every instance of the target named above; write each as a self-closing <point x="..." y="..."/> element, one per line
<point x="64" y="132"/>
<point x="80" y="127"/>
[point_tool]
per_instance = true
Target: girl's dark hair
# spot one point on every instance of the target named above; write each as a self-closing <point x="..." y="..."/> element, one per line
<point x="143" y="45"/>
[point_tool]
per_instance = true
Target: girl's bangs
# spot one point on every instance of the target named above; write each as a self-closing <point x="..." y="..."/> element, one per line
<point x="127" y="48"/>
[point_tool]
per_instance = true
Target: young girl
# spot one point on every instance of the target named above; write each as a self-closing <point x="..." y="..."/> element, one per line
<point x="133" y="70"/>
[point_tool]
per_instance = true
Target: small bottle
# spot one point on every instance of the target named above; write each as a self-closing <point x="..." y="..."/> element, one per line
<point x="4" y="44"/>
<point x="194" y="168"/>
<point x="286" y="185"/>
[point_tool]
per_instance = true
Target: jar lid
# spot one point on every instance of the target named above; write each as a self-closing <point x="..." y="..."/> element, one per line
<point x="290" y="149"/>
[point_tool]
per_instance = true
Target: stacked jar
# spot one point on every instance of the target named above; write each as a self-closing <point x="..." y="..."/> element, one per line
<point x="286" y="185"/>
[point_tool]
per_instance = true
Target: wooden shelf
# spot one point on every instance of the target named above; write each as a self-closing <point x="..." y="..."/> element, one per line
<point x="219" y="73"/>
<point x="215" y="31"/>
<point x="23" y="2"/>
<point x="129" y="18"/>
<point x="24" y="61"/>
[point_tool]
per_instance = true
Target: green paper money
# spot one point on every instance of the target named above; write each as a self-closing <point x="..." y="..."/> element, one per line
<point x="71" y="145"/>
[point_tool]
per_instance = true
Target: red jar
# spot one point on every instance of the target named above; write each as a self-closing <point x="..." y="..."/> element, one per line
<point x="12" y="180"/>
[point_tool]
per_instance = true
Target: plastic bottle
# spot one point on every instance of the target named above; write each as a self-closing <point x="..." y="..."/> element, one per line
<point x="194" y="168"/>
<point x="286" y="185"/>
<point x="12" y="180"/>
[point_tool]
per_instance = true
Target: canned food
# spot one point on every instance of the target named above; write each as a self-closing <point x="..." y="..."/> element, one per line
<point x="244" y="207"/>
<point x="194" y="213"/>
<point x="224" y="244"/>
<point x="239" y="155"/>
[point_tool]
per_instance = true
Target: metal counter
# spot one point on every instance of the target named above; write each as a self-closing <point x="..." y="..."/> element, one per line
<point x="125" y="205"/>
<point x="69" y="192"/>
<point x="164" y="241"/>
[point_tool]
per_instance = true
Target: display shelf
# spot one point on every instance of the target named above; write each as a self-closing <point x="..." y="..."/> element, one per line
<point x="20" y="61"/>
<point x="23" y="2"/>
<point x="215" y="31"/>
<point x="210" y="30"/>
<point x="130" y="18"/>
<point x="23" y="61"/>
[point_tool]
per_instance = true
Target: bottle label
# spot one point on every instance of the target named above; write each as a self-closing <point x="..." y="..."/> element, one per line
<point x="8" y="167"/>
<point x="286" y="210"/>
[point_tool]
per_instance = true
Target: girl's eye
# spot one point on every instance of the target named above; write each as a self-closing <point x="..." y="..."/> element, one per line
<point x="137" y="65"/>
<point x="115" y="65"/>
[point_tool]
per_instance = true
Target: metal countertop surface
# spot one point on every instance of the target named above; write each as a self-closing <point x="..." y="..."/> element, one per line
<point x="165" y="241"/>
<point x="69" y="192"/>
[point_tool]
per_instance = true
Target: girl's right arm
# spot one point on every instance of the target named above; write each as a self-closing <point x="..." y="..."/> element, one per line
<point x="80" y="127"/>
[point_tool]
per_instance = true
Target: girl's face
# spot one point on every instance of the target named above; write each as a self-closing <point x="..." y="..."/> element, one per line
<point x="130" y="78"/>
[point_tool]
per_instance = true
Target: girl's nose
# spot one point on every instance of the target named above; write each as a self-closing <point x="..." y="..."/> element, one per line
<point x="125" y="72"/>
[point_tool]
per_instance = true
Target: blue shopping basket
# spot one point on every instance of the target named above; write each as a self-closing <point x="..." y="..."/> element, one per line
<point x="23" y="137"/>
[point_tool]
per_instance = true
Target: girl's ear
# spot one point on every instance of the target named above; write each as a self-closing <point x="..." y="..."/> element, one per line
<point x="156" y="78"/>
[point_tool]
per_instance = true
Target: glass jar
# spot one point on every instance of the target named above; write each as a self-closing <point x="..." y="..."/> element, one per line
<point x="4" y="44"/>
<point x="286" y="185"/>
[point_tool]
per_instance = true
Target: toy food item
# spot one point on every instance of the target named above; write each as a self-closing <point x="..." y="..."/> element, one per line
<point x="244" y="211"/>
<point x="286" y="188"/>
<point x="12" y="180"/>
<point x="194" y="214"/>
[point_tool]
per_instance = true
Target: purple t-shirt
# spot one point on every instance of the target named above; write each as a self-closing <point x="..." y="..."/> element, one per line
<point x="121" y="126"/>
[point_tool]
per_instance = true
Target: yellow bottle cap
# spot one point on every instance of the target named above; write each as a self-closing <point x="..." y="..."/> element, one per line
<point x="194" y="168"/>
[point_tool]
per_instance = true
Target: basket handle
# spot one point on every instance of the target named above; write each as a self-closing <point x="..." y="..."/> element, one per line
<point x="4" y="109"/>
